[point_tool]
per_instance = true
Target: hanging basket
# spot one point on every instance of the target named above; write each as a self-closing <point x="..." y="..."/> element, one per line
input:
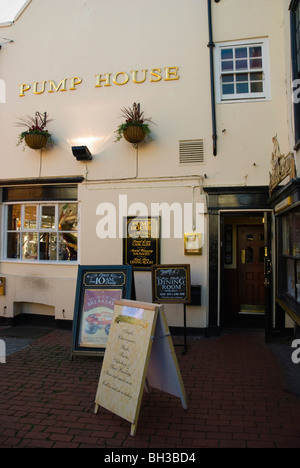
<point x="134" y="134"/>
<point x="36" y="140"/>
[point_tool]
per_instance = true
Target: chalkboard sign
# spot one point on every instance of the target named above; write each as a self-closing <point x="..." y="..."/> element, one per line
<point x="141" y="242"/>
<point x="171" y="284"/>
<point x="98" y="287"/>
<point x="139" y="354"/>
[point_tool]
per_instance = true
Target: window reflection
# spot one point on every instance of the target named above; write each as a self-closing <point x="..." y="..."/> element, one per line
<point x="68" y="217"/>
<point x="48" y="217"/>
<point x="14" y="217"/>
<point x="30" y="217"/>
<point x="68" y="246"/>
<point x="48" y="246"/>
<point x="29" y="246"/>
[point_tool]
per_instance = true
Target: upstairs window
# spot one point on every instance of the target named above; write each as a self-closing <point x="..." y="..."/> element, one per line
<point x="242" y="71"/>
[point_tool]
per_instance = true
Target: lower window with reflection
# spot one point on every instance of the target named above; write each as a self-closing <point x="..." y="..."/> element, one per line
<point x="42" y="232"/>
<point x="289" y="259"/>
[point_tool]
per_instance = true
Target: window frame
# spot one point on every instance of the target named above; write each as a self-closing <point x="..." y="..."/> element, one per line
<point x="39" y="231"/>
<point x="288" y="259"/>
<point x="265" y="95"/>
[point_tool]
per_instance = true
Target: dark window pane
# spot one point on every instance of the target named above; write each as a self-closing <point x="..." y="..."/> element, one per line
<point x="242" y="88"/>
<point x="48" y="246"/>
<point x="241" y="52"/>
<point x="256" y="76"/>
<point x="256" y="63"/>
<point x="256" y="87"/>
<point x="226" y="54"/>
<point x="14" y="217"/>
<point x="13" y="245"/>
<point x="243" y="77"/>
<point x="255" y="51"/>
<point x="228" y="89"/>
<point x="228" y="78"/>
<point x="227" y="66"/>
<point x="45" y="192"/>
<point x="241" y="65"/>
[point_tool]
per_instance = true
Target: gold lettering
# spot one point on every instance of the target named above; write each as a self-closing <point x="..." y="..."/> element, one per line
<point x="155" y="74"/>
<point x="115" y="78"/>
<point x="35" y="87"/>
<point x="23" y="88"/>
<point x="170" y="73"/>
<point x="56" y="88"/>
<point x="134" y="73"/>
<point x="74" y="82"/>
<point x="100" y="80"/>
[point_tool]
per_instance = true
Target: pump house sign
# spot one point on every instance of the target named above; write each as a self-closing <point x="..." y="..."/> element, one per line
<point x="283" y="166"/>
<point x="120" y="78"/>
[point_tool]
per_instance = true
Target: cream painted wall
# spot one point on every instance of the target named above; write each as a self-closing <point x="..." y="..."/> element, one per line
<point x="31" y="283"/>
<point x="110" y="251"/>
<point x="86" y="42"/>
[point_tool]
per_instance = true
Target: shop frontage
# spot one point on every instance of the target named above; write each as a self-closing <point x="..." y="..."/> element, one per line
<point x="213" y="100"/>
<point x="286" y="203"/>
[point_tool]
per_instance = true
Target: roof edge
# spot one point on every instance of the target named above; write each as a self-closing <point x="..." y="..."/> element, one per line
<point x="17" y="16"/>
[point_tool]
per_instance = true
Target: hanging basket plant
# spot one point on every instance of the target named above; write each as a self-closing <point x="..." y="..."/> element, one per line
<point x="36" y="140"/>
<point x="134" y="134"/>
<point x="134" y="129"/>
<point x="36" y="136"/>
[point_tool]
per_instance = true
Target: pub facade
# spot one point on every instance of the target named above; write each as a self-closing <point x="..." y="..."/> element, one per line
<point x="210" y="78"/>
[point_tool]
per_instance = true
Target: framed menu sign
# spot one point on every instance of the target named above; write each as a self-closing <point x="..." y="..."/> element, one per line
<point x="141" y="242"/>
<point x="98" y="287"/>
<point x="171" y="284"/>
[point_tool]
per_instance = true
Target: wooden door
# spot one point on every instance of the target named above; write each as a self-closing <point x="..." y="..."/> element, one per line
<point x="251" y="287"/>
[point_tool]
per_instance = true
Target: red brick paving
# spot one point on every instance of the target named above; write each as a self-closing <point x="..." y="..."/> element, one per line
<point x="235" y="390"/>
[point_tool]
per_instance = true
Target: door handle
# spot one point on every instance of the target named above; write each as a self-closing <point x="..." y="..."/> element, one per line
<point x="268" y="266"/>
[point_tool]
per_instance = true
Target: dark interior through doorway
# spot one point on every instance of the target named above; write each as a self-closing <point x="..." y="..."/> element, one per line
<point x="242" y="271"/>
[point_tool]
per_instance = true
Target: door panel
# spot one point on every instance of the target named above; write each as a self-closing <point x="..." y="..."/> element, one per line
<point x="251" y="289"/>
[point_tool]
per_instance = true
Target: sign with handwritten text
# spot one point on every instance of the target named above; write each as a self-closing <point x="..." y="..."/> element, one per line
<point x="124" y="364"/>
<point x="139" y="355"/>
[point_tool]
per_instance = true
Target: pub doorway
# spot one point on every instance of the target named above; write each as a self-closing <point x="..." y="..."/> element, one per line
<point x="243" y="287"/>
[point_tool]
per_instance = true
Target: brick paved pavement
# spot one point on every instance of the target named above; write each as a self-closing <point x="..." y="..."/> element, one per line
<point x="236" y="391"/>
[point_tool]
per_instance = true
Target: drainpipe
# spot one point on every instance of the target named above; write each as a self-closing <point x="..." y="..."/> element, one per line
<point x="211" y="46"/>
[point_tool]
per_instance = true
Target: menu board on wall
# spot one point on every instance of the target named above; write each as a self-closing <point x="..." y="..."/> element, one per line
<point x="171" y="284"/>
<point x="98" y="287"/>
<point x="139" y="351"/>
<point x="141" y="242"/>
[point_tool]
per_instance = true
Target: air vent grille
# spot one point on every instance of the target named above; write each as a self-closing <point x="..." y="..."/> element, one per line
<point x="191" y="151"/>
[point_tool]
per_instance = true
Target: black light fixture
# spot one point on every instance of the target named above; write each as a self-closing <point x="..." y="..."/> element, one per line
<point x="82" y="153"/>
